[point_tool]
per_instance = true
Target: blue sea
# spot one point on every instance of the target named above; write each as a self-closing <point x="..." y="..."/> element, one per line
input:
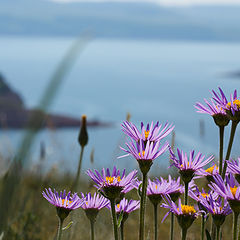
<point x="151" y="80"/>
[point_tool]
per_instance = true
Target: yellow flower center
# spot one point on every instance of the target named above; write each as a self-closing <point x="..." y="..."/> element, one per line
<point x="67" y="202"/>
<point x="187" y="209"/>
<point x="205" y="195"/>
<point x="143" y="153"/>
<point x="233" y="190"/>
<point x="156" y="187"/>
<point x="118" y="206"/>
<point x="210" y="170"/>
<point x="146" y="134"/>
<point x="110" y="180"/>
<point x="187" y="165"/>
<point x="235" y="102"/>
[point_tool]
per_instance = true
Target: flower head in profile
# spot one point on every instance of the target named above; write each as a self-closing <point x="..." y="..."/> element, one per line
<point x="234" y="168"/>
<point x="228" y="189"/>
<point x="160" y="187"/>
<point x="93" y="204"/>
<point x="218" y="207"/>
<point x="188" y="166"/>
<point x="232" y="107"/>
<point x="144" y="153"/>
<point x="112" y="184"/>
<point x="209" y="172"/>
<point x="185" y="214"/>
<point x="64" y="202"/>
<point x="218" y="113"/>
<point x="127" y="206"/>
<point x="150" y="133"/>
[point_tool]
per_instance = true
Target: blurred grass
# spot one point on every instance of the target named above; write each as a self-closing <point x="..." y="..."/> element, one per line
<point x="11" y="180"/>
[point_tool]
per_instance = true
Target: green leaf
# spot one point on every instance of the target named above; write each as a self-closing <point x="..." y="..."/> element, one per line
<point x="68" y="226"/>
<point x="120" y="217"/>
<point x="208" y="235"/>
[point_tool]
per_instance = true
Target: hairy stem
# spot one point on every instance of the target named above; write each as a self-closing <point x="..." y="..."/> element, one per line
<point x="233" y="130"/>
<point x="186" y="194"/>
<point x="59" y="234"/>
<point x="203" y="227"/>
<point x="155" y="206"/>
<point x="172" y="226"/>
<point x="221" y="138"/>
<point x="235" y="225"/>
<point x="114" y="219"/>
<point x="142" y="206"/>
<point x="92" y="229"/>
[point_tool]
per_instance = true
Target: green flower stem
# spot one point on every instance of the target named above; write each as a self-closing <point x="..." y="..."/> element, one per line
<point x="203" y="226"/>
<point x="122" y="230"/>
<point x="184" y="233"/>
<point x="186" y="194"/>
<point x="235" y="223"/>
<point x="233" y="130"/>
<point x="172" y="226"/>
<point x="114" y="219"/>
<point x="221" y="136"/>
<point x="142" y="206"/>
<point x="155" y="206"/>
<point x="92" y="229"/>
<point x="218" y="232"/>
<point x="59" y="234"/>
<point x="75" y="183"/>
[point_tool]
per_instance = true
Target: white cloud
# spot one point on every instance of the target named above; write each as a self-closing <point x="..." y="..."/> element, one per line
<point x="165" y="2"/>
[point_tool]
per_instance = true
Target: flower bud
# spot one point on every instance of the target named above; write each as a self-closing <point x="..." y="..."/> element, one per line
<point x="83" y="135"/>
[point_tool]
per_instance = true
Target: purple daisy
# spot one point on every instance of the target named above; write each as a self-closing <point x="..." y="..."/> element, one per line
<point x="144" y="153"/>
<point x="188" y="166"/>
<point x="233" y="167"/>
<point x="216" y="205"/>
<point x="228" y="189"/>
<point x="218" y="113"/>
<point x="93" y="202"/>
<point x="151" y="132"/>
<point x="209" y="172"/>
<point x="126" y="206"/>
<point x="232" y="107"/>
<point x="111" y="185"/>
<point x="64" y="202"/>
<point x="185" y="214"/>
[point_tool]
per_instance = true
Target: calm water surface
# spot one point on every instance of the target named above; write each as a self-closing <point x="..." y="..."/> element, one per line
<point x="151" y="80"/>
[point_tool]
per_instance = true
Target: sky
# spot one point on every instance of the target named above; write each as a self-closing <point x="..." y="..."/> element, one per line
<point x="166" y="2"/>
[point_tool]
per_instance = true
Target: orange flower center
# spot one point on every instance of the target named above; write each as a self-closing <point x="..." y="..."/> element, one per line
<point x="146" y="134"/>
<point x="233" y="190"/>
<point x="110" y="180"/>
<point x="67" y="202"/>
<point x="235" y="102"/>
<point x="210" y="170"/>
<point x="187" y="209"/>
<point x="143" y="153"/>
<point x="205" y="195"/>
